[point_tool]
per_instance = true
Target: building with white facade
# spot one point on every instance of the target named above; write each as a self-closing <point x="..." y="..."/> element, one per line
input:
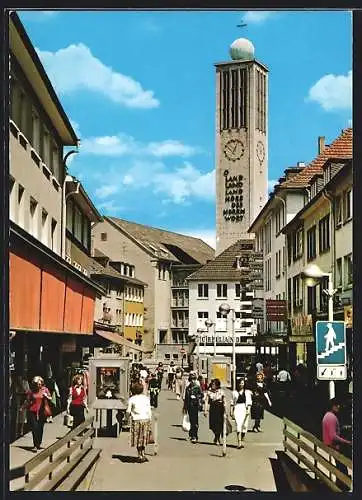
<point x="307" y="219"/>
<point x="216" y="283"/>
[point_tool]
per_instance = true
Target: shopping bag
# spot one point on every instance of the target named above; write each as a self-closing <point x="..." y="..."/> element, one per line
<point x="229" y="427"/>
<point x="46" y="409"/>
<point x="68" y="420"/>
<point x="186" y="426"/>
<point x="151" y="439"/>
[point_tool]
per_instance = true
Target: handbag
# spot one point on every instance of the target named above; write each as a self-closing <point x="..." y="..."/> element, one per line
<point x="151" y="439"/>
<point x="186" y="426"/>
<point x="68" y="420"/>
<point x="46" y="408"/>
<point x="229" y="427"/>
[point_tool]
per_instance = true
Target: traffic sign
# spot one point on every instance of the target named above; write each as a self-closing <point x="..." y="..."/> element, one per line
<point x="332" y="372"/>
<point x="331" y="343"/>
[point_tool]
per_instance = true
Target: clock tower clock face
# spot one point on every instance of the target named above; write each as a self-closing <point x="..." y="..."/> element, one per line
<point x="260" y="152"/>
<point x="234" y="149"/>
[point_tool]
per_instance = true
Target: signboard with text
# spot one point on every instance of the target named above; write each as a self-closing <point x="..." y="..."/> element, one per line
<point x="276" y="310"/>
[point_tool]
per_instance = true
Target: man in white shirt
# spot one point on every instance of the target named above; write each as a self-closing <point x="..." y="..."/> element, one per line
<point x="283" y="376"/>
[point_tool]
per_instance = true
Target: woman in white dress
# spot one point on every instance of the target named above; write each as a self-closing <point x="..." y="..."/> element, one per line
<point x="240" y="410"/>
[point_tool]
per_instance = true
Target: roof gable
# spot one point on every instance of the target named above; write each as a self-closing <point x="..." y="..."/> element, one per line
<point x="223" y="267"/>
<point x="166" y="245"/>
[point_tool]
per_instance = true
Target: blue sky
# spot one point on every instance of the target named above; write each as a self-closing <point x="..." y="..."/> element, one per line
<point x="139" y="88"/>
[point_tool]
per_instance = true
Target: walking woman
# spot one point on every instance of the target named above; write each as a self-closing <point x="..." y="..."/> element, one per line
<point x="215" y="404"/>
<point x="77" y="401"/>
<point x="154" y="388"/>
<point x="139" y="408"/>
<point x="37" y="404"/>
<point x="240" y="410"/>
<point x="260" y="396"/>
<point x="178" y="382"/>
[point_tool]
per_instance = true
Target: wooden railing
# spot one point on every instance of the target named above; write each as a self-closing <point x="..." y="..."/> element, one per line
<point x="314" y="457"/>
<point x="50" y="469"/>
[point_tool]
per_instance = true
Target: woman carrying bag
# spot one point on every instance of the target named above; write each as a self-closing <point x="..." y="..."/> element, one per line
<point x="240" y="410"/>
<point x="260" y="397"/>
<point x="38" y="409"/>
<point x="77" y="401"/>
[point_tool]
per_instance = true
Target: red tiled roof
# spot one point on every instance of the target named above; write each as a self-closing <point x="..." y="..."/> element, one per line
<point x="340" y="148"/>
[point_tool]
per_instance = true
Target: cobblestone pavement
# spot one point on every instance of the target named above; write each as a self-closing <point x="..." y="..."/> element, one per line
<point x="182" y="466"/>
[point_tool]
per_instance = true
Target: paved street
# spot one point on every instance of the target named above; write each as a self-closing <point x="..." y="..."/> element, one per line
<point x="185" y="466"/>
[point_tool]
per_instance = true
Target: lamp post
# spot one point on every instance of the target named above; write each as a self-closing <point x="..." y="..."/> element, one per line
<point x="314" y="274"/>
<point x="224" y="309"/>
<point x="209" y="323"/>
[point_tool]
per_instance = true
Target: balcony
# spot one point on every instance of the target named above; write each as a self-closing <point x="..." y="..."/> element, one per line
<point x="180" y="284"/>
<point x="181" y="325"/>
<point x="180" y="304"/>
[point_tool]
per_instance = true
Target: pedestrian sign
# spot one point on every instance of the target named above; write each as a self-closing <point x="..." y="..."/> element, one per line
<point x="331" y="343"/>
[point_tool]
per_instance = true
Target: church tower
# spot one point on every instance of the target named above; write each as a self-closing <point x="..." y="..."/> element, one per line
<point x="241" y="143"/>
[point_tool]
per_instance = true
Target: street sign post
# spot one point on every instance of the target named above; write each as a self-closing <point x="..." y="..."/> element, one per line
<point x="331" y="350"/>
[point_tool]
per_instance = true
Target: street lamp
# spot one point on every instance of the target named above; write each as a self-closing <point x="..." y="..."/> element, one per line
<point x="209" y="323"/>
<point x="224" y="309"/>
<point x="314" y="274"/>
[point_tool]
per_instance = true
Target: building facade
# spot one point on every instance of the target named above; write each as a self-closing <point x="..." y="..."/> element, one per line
<point x="161" y="259"/>
<point x="241" y="143"/>
<point x="216" y="283"/>
<point x="299" y="223"/>
<point x="51" y="302"/>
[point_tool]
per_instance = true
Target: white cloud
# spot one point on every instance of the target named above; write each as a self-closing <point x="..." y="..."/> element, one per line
<point x="170" y="148"/>
<point x="207" y="235"/>
<point x="106" y="191"/>
<point x="333" y="92"/>
<point x="185" y="182"/>
<point x="76" y="68"/>
<point x="176" y="186"/>
<point x="123" y="144"/>
<point x="257" y="16"/>
<point x="271" y="185"/>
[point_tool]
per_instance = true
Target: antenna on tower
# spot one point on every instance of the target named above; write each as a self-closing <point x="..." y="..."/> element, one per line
<point x="241" y="25"/>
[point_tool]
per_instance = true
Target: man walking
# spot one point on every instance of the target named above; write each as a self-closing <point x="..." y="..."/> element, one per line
<point x="193" y="403"/>
<point x="332" y="438"/>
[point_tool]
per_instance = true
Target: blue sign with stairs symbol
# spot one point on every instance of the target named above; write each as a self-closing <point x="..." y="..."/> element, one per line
<point x="331" y="342"/>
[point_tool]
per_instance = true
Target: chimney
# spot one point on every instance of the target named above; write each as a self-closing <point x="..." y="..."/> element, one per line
<point x="321" y="144"/>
